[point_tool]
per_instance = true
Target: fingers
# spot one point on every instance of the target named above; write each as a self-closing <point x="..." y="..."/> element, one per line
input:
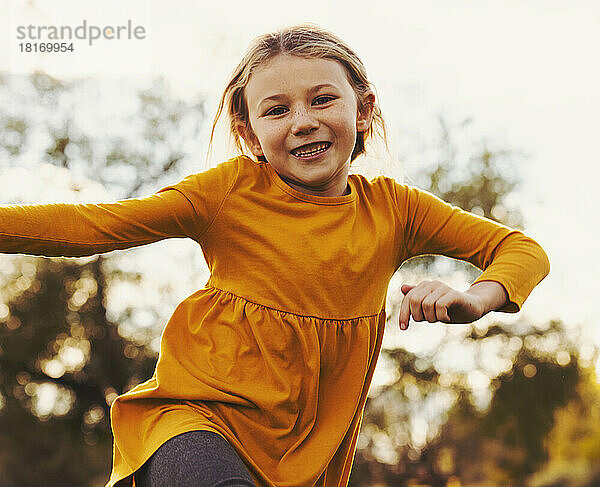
<point x="442" y="305"/>
<point x="406" y="287"/>
<point x="404" y="314"/>
<point x="429" y="305"/>
<point x="428" y="301"/>
<point x="411" y="304"/>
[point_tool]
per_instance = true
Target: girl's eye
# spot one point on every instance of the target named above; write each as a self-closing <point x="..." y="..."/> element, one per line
<point x="274" y="111"/>
<point x="320" y="100"/>
<point x="323" y="99"/>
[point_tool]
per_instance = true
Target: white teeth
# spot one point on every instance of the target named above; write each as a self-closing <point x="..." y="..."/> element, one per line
<point x="314" y="150"/>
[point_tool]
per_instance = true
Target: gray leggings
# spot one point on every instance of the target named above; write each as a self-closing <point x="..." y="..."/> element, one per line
<point x="195" y="458"/>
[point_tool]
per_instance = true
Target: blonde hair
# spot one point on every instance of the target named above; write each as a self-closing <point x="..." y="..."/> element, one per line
<point x="304" y="40"/>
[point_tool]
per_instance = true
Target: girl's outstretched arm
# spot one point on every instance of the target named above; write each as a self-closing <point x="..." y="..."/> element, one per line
<point x="75" y="230"/>
<point x="185" y="209"/>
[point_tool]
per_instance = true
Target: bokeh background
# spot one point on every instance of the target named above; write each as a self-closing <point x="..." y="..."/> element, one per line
<point x="492" y="106"/>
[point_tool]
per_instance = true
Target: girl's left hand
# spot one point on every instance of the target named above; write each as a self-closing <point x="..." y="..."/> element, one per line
<point x="435" y="301"/>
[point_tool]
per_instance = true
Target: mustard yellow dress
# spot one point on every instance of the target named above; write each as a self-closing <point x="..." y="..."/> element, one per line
<point x="276" y="353"/>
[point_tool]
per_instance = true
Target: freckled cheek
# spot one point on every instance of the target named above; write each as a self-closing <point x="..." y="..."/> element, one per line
<point x="347" y="130"/>
<point x="345" y="120"/>
<point x="272" y="138"/>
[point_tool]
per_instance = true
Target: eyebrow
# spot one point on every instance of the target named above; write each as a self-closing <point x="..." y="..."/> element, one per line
<point x="312" y="90"/>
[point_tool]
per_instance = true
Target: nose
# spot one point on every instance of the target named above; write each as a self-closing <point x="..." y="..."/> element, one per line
<point x="303" y="122"/>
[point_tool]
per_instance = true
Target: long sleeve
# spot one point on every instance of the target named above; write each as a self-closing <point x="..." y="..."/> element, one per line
<point x="507" y="256"/>
<point x="185" y="209"/>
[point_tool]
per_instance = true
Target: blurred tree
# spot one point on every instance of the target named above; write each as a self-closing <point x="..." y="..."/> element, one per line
<point x="480" y="182"/>
<point x="534" y="416"/>
<point x="56" y="334"/>
<point x="74" y="125"/>
<point x="505" y="442"/>
<point x="573" y="445"/>
<point x="62" y="361"/>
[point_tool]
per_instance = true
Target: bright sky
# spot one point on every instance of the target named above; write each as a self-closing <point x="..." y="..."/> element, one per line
<point x="526" y="71"/>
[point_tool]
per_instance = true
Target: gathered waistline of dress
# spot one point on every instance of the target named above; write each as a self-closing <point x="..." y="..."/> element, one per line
<point x="299" y="315"/>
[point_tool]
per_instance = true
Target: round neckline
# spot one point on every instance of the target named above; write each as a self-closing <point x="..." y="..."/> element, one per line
<point x="320" y="200"/>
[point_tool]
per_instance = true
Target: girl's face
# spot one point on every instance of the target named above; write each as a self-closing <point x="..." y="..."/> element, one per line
<point x="304" y="118"/>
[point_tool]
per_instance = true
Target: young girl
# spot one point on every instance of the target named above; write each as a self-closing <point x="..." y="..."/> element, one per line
<point x="263" y="374"/>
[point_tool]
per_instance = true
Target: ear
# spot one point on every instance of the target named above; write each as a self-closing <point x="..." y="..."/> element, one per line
<point x="365" y="117"/>
<point x="251" y="140"/>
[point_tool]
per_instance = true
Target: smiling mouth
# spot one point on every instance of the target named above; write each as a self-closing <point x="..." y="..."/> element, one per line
<point x="309" y="150"/>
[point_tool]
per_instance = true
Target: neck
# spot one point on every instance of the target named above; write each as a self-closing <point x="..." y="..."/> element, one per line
<point x="339" y="189"/>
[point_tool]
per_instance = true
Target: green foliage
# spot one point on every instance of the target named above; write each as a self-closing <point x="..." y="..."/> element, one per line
<point x="573" y="445"/>
<point x="56" y="339"/>
<point x="503" y="443"/>
<point x="523" y="408"/>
